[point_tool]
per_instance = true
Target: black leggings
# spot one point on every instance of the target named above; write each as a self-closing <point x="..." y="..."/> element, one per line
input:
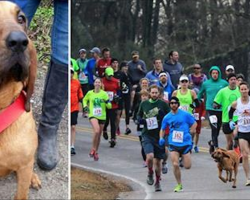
<point x="111" y="116"/>
<point x="142" y="150"/>
<point x="215" y="128"/>
<point x="126" y="102"/>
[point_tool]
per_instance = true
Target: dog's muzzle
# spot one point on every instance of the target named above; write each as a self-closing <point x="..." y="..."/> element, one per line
<point x="17" y="41"/>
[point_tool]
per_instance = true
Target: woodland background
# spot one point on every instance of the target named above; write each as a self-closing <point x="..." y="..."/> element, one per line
<point x="211" y="32"/>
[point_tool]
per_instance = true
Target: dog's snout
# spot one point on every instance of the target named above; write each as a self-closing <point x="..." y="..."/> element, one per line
<point x="17" y="41"/>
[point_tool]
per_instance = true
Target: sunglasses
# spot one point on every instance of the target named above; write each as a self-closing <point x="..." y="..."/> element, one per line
<point x="173" y="102"/>
<point x="197" y="68"/>
<point x="184" y="81"/>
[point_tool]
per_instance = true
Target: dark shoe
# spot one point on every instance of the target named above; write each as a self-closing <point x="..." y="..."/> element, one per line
<point x="158" y="187"/>
<point x="211" y="147"/>
<point x="105" y="135"/>
<point x="150" y="179"/>
<point x="164" y="168"/>
<point x="73" y="151"/>
<point x="128" y="131"/>
<point x="112" y="143"/>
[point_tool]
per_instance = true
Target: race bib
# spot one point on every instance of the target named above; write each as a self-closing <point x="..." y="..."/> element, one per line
<point x="196" y="116"/>
<point x="246" y="121"/>
<point x="82" y="77"/>
<point x="177" y="136"/>
<point x="97" y="111"/>
<point x="165" y="97"/>
<point x="111" y="95"/>
<point x="152" y="123"/>
<point x="213" y="119"/>
<point x="184" y="107"/>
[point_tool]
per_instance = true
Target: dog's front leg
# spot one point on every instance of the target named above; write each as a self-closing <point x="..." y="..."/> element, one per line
<point x="235" y="174"/>
<point x="220" y="174"/>
<point x="24" y="175"/>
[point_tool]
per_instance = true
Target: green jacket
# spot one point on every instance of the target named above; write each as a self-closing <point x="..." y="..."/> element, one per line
<point x="211" y="87"/>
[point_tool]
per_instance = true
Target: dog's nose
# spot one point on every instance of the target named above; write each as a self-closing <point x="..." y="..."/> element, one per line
<point x="17" y="41"/>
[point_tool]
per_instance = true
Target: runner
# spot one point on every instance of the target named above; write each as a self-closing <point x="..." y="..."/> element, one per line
<point x="224" y="98"/>
<point x="242" y="109"/>
<point x="76" y="96"/>
<point x="196" y="79"/>
<point x="112" y="87"/>
<point x="181" y="124"/>
<point x="150" y="114"/>
<point x="210" y="88"/>
<point x="167" y="88"/>
<point x="144" y="96"/>
<point x="95" y="102"/>
<point x="103" y="62"/>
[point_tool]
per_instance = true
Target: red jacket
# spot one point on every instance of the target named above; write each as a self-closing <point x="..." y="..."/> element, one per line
<point x="75" y="94"/>
<point x="111" y="87"/>
<point x="102" y="65"/>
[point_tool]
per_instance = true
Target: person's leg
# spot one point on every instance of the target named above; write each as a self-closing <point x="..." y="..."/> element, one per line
<point x="175" y="162"/>
<point x="157" y="166"/>
<point x="113" y="127"/>
<point x="245" y="151"/>
<point x="99" y="136"/>
<point x="96" y="130"/>
<point x="127" y="109"/>
<point x="229" y="139"/>
<point x="105" y="132"/>
<point x="55" y="95"/>
<point x="142" y="150"/>
<point x="187" y="160"/>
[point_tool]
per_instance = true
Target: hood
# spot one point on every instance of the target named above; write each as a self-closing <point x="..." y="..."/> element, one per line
<point x="215" y="68"/>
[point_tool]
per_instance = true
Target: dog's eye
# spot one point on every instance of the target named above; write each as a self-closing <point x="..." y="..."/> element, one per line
<point x="21" y="19"/>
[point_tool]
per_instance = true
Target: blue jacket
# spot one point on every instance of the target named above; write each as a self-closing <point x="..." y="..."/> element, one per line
<point x="153" y="77"/>
<point x="167" y="89"/>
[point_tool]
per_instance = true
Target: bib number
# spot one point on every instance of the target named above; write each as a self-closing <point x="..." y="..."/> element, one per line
<point x="177" y="136"/>
<point x="165" y="96"/>
<point x="82" y="77"/>
<point x="97" y="111"/>
<point x="111" y="95"/>
<point x="213" y="119"/>
<point x="184" y="107"/>
<point x="196" y="116"/>
<point x="152" y="123"/>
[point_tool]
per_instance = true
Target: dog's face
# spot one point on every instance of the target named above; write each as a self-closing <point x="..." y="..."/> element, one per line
<point x="14" y="51"/>
<point x="219" y="154"/>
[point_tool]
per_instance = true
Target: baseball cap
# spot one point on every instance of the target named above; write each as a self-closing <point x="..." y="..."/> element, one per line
<point x="162" y="74"/>
<point x="95" y="50"/>
<point x="184" y="77"/>
<point x="109" y="71"/>
<point x="230" y="67"/>
<point x="82" y="50"/>
<point x="135" y="54"/>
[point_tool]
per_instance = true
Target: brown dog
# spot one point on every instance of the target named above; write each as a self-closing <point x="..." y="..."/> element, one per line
<point x="18" y="142"/>
<point x="228" y="161"/>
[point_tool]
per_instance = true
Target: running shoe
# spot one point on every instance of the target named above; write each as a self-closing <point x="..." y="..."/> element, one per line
<point x="157" y="187"/>
<point x="92" y="153"/>
<point x="118" y="132"/>
<point x="180" y="162"/>
<point x="164" y="168"/>
<point x="128" y="131"/>
<point x="105" y="135"/>
<point x="196" y="149"/>
<point x="211" y="147"/>
<point x="73" y="151"/>
<point x="112" y="143"/>
<point x="248" y="183"/>
<point x="96" y="156"/>
<point x="178" y="188"/>
<point x="150" y="179"/>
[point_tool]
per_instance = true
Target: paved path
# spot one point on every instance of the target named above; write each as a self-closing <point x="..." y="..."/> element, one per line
<point x="124" y="161"/>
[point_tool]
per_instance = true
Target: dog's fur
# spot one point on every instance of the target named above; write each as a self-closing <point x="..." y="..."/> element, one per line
<point x="18" y="143"/>
<point x="227" y="160"/>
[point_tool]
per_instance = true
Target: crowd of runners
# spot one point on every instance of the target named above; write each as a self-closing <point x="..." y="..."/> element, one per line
<point x="166" y="105"/>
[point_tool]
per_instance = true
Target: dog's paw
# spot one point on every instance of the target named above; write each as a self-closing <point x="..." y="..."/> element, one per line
<point x="35" y="182"/>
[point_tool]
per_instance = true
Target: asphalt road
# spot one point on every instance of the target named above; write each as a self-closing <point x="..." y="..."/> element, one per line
<point x="125" y="161"/>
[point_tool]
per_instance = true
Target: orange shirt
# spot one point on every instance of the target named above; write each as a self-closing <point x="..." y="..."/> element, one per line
<point x="76" y="95"/>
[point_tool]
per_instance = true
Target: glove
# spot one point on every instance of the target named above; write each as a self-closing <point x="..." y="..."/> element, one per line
<point x="232" y="125"/>
<point x="86" y="109"/>
<point x="192" y="106"/>
<point x="202" y="118"/>
<point x="161" y="141"/>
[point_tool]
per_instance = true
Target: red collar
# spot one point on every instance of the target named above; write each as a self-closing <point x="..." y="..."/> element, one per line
<point x="12" y="112"/>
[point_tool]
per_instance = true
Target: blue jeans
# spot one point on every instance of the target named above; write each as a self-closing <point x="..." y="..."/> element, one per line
<point x="59" y="37"/>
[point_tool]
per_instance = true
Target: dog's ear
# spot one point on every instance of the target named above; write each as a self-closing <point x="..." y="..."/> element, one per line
<point x="225" y="154"/>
